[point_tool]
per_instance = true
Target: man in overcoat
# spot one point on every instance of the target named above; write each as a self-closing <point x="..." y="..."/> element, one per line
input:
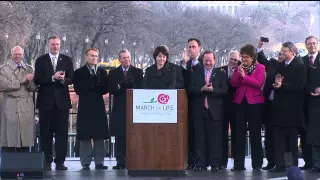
<point x="91" y="83"/>
<point x="17" y="109"/>
<point x="312" y="63"/>
<point x="287" y="105"/>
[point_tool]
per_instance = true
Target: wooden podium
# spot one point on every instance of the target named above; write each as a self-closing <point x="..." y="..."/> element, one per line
<point x="157" y="149"/>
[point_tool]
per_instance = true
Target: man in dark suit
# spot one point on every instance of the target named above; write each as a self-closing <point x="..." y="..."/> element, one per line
<point x="287" y="106"/>
<point x="179" y="76"/>
<point x="122" y="78"/>
<point x="208" y="87"/>
<point x="229" y="111"/>
<point x="191" y="62"/>
<point x="268" y="91"/>
<point x="310" y="136"/>
<point x="53" y="74"/>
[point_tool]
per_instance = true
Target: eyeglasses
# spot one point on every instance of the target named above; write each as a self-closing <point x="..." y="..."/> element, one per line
<point x="313" y="43"/>
<point x="245" y="57"/>
<point x="235" y="60"/>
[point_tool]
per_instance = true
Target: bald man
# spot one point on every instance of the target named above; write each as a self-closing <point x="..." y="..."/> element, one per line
<point x="17" y="108"/>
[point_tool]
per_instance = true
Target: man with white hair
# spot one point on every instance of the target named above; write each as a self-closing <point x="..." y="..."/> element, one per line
<point x="229" y="112"/>
<point x="17" y="108"/>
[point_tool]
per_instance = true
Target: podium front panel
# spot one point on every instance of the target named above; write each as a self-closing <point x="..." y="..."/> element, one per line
<point x="157" y="146"/>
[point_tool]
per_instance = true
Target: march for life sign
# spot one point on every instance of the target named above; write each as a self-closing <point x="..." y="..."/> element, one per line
<point x="154" y="106"/>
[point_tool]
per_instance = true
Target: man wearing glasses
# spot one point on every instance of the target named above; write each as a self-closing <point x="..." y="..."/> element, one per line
<point x="310" y="137"/>
<point x="229" y="113"/>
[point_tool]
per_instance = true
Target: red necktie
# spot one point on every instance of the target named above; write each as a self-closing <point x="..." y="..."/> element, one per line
<point x="311" y="60"/>
<point x="125" y="73"/>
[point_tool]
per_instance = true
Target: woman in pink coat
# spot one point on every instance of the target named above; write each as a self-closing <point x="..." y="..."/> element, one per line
<point x="248" y="78"/>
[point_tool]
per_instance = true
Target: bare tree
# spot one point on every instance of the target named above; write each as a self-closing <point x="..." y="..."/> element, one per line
<point x="47" y="18"/>
<point x="170" y="27"/>
<point x="99" y="20"/>
<point x="281" y="20"/>
<point x="14" y="27"/>
<point x="145" y="24"/>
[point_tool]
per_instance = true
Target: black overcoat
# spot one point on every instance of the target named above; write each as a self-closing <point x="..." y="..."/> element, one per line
<point x="92" y="119"/>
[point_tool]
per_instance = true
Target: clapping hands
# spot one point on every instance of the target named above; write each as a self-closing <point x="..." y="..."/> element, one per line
<point x="28" y="78"/>
<point x="59" y="75"/>
<point x="208" y="87"/>
<point x="278" y="81"/>
<point x="186" y="57"/>
<point x="316" y="93"/>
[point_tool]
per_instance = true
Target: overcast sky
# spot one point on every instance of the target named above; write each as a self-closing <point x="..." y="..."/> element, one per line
<point x="197" y="3"/>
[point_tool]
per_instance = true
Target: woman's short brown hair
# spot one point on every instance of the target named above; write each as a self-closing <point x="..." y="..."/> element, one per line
<point x="249" y="50"/>
<point x="161" y="49"/>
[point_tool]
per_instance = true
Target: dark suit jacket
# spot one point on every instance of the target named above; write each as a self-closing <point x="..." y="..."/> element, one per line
<point x="92" y="121"/>
<point x="270" y="66"/>
<point x="53" y="93"/>
<point x="311" y="84"/>
<point x="164" y="78"/>
<point x="288" y="99"/>
<point x="229" y="110"/>
<point x="117" y="87"/>
<point x="312" y="103"/>
<point x="309" y="68"/>
<point x="187" y="73"/>
<point x="231" y="89"/>
<point x="179" y="76"/>
<point x="215" y="98"/>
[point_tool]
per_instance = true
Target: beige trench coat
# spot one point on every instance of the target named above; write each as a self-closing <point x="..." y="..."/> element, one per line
<point x="17" y="127"/>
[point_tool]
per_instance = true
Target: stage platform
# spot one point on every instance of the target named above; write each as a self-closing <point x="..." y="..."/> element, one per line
<point x="75" y="173"/>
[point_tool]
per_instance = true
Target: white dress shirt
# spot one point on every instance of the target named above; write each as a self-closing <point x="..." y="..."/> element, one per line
<point x="193" y="63"/>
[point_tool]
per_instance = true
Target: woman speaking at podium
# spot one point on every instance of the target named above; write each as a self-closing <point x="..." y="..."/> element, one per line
<point x="162" y="74"/>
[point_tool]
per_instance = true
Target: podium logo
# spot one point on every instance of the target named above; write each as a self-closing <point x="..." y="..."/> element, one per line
<point x="151" y="101"/>
<point x="162" y="99"/>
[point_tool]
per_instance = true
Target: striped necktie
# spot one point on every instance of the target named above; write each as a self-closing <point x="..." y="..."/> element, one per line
<point x="54" y="63"/>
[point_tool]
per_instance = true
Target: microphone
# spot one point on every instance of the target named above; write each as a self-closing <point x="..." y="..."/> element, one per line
<point x="149" y="86"/>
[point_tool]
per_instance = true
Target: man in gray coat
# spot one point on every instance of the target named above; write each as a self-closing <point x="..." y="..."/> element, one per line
<point x="17" y="108"/>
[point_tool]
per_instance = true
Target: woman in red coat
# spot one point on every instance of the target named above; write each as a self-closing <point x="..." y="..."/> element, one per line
<point x="248" y="78"/>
